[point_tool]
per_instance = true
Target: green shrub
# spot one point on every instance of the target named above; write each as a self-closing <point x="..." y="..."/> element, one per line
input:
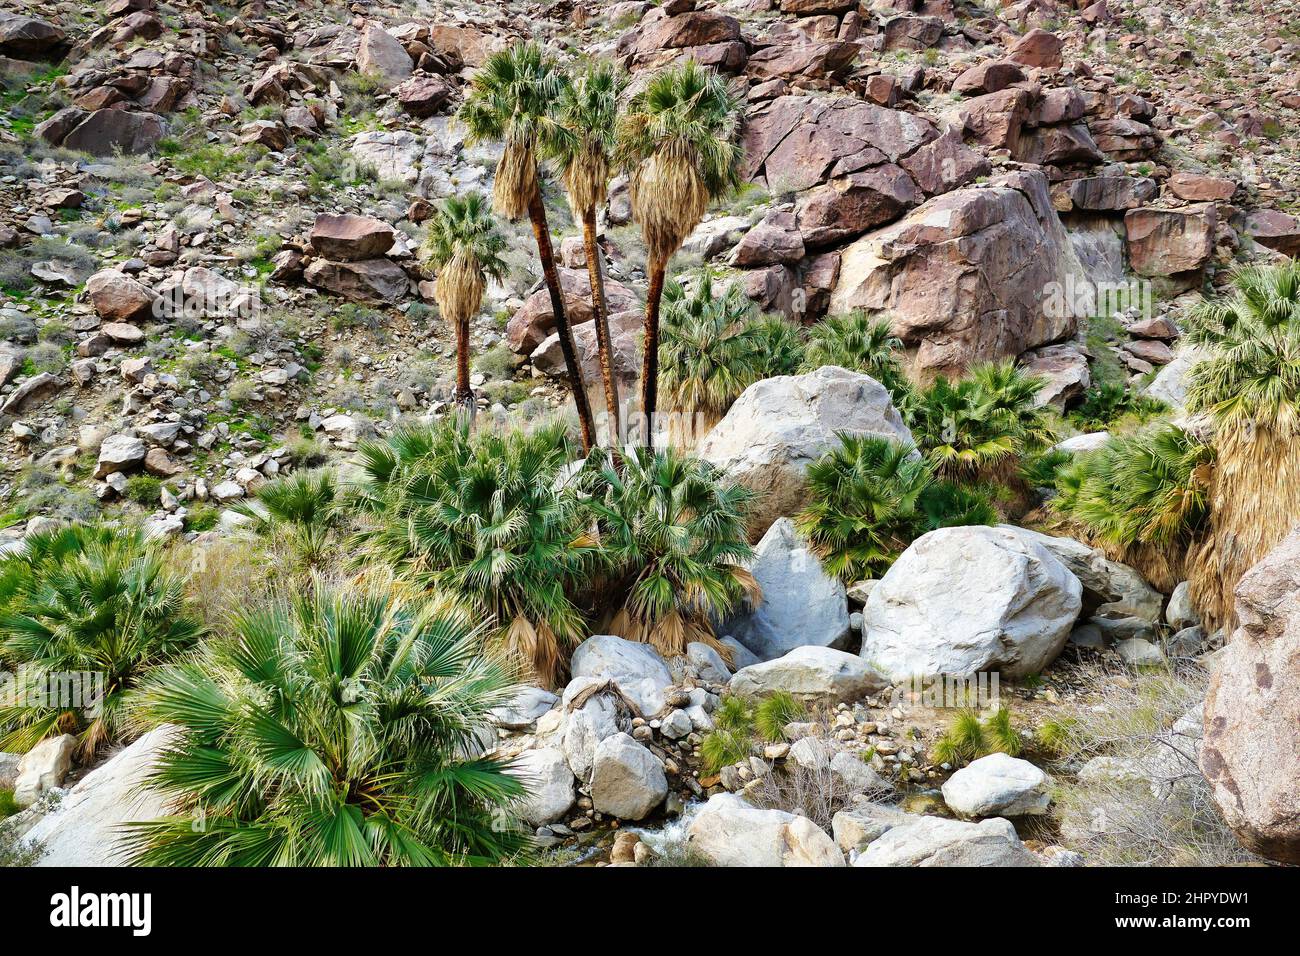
<point x="88" y="594"/>
<point x="144" y="490"/>
<point x="968" y="737"/>
<point x="773" y="713"/>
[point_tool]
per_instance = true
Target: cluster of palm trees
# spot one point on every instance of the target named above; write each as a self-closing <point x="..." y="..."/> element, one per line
<point x="677" y="140"/>
<point x="1207" y="510"/>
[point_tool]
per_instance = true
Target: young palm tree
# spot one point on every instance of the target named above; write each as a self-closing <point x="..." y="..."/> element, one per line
<point x="857" y="342"/>
<point x="464" y="248"/>
<point x="486" y="521"/>
<point x="98" y="600"/>
<point x="871" y="497"/>
<point x="679" y="138"/>
<point x="1143" y="497"/>
<point x="672" y="530"/>
<point x="512" y="98"/>
<point x="587" y="116"/>
<point x="980" y="428"/>
<point x="299" y="510"/>
<point x="709" y="352"/>
<point x="779" y="345"/>
<point x="1250" y="387"/>
<point x="340" y="727"/>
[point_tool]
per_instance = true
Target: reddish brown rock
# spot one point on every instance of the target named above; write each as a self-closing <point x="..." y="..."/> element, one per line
<point x="106" y="132"/>
<point x="1057" y="146"/>
<point x="1250" y="754"/>
<point x="1065" y="104"/>
<point x="1064" y="371"/>
<point x="55" y="129"/>
<point x="160" y="463"/>
<point x="380" y="54"/>
<point x="1165" y="242"/>
<point x="795" y="142"/>
<point x="850" y="205"/>
<point x="1194" y="187"/>
<point x="1038" y="48"/>
<point x="534" y="321"/>
<point x="967" y="276"/>
<point x="266" y="133"/>
<point x="423" y="96"/>
<point x="946" y="163"/>
<point x="883" y="89"/>
<point x="1157" y="327"/>
<point x="773" y="241"/>
<point x="995" y="120"/>
<point x="805" y="8"/>
<point x="1150" y="351"/>
<point x="464" y="44"/>
<point x="116" y="297"/>
<point x="1109" y="193"/>
<point x="370" y="281"/>
<point x="696" y="28"/>
<point x="1124" y="139"/>
<point x="351" y="238"/>
<point x="912" y="33"/>
<point x="804" y="60"/>
<point x="1276" y="230"/>
<point x="27" y="37"/>
<point x="990" y="77"/>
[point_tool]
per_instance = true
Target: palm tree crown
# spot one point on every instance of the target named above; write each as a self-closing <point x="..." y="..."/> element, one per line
<point x="862" y="344"/>
<point x="464" y="247"/>
<point x="582" y="144"/>
<point x="510" y="98"/>
<point x="679" y="138"/>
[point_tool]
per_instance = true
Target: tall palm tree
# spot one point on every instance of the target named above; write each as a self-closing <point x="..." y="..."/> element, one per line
<point x="464" y="248"/>
<point x="512" y="98"/>
<point x="339" y="727"/>
<point x="710" y="354"/>
<point x="679" y="138"/>
<point x="1250" y="387"/>
<point x="587" y="116"/>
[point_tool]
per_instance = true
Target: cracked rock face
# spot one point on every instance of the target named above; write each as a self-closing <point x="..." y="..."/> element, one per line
<point x="967" y="276"/>
<point x="1251" y="749"/>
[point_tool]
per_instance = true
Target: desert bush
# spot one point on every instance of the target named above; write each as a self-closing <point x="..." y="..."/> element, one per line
<point x="1152" y="806"/>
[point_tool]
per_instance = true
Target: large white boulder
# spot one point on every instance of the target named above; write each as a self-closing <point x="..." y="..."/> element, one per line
<point x="627" y="780"/>
<point x="965" y="600"/>
<point x="934" y="841"/>
<point x="1110" y="589"/>
<point x="549" y="781"/>
<point x="801" y="605"/>
<point x="998" y="786"/>
<point x="810" y="673"/>
<point x="85" y="827"/>
<point x="731" y="832"/>
<point x="779" y="425"/>
<point x="524" y="708"/>
<point x="636" y="668"/>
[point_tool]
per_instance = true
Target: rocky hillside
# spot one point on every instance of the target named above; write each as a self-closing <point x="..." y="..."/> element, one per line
<point x="213" y="275"/>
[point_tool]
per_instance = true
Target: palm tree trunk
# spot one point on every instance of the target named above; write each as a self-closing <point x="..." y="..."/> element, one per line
<point x="542" y="233"/>
<point x="603" y="342"/>
<point x="650" y="356"/>
<point x="464" y="396"/>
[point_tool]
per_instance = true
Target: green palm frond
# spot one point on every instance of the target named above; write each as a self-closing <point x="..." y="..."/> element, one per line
<point x="336" y="728"/>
